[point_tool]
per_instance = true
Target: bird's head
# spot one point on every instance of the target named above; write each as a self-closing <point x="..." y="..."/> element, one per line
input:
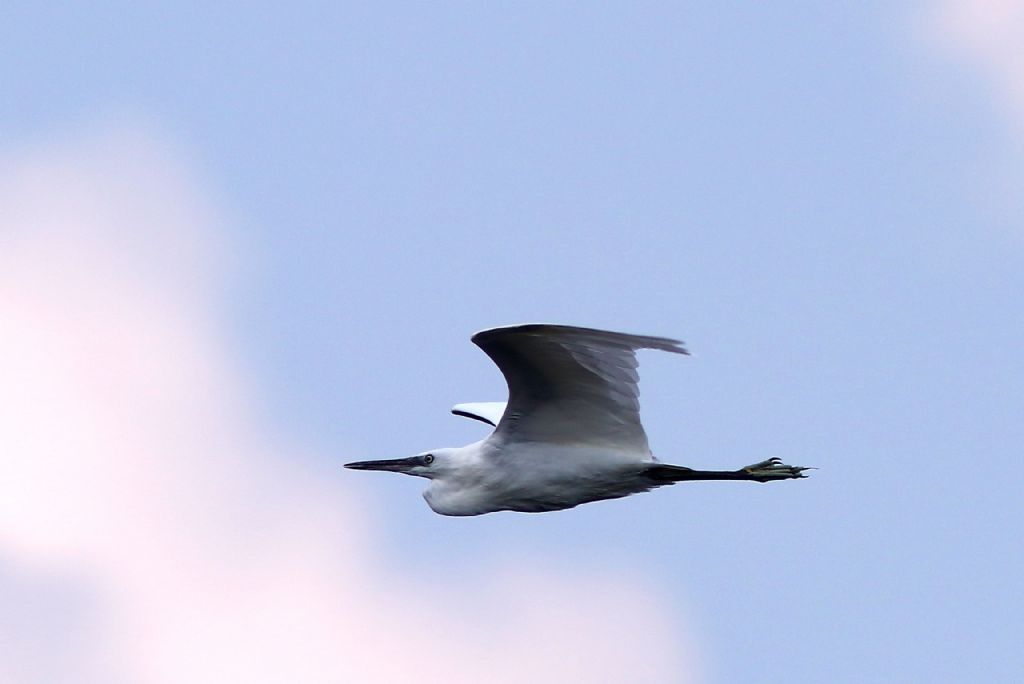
<point x="429" y="464"/>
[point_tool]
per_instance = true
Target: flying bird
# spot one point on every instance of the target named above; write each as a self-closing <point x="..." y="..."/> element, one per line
<point x="569" y="434"/>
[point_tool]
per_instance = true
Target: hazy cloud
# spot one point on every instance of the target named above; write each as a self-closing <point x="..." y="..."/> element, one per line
<point x="988" y="35"/>
<point x="152" y="529"/>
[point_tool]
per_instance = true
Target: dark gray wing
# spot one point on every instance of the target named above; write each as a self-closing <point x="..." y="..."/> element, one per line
<point x="570" y="385"/>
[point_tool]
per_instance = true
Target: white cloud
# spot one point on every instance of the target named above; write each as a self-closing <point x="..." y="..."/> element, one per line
<point x="153" y="530"/>
<point x="989" y="36"/>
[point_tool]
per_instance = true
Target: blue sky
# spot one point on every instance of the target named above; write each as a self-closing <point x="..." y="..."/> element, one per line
<point x="813" y="197"/>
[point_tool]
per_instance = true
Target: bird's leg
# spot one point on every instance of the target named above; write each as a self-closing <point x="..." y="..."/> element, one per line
<point x="765" y="471"/>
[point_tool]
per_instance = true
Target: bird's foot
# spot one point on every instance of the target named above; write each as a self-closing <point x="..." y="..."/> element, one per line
<point x="774" y="469"/>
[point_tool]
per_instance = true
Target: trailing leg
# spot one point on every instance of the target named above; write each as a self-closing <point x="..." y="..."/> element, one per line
<point x="765" y="471"/>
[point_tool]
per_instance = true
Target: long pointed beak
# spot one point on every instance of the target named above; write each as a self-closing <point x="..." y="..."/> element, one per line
<point x="396" y="465"/>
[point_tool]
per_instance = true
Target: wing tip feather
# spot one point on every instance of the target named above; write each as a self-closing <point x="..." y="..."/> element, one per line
<point x="474" y="416"/>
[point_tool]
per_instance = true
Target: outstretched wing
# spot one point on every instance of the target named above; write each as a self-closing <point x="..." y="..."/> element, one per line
<point x="570" y="385"/>
<point x="485" y="411"/>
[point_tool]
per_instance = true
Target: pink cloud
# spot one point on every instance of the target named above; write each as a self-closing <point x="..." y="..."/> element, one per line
<point x="988" y="35"/>
<point x="199" y="544"/>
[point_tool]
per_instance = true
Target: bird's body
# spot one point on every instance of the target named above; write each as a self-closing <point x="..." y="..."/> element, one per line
<point x="569" y="434"/>
<point x="532" y="478"/>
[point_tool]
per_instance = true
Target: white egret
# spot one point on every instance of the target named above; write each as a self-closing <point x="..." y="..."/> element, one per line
<point x="569" y="434"/>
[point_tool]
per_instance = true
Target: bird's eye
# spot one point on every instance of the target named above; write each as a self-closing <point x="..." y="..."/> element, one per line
<point x="428" y="459"/>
